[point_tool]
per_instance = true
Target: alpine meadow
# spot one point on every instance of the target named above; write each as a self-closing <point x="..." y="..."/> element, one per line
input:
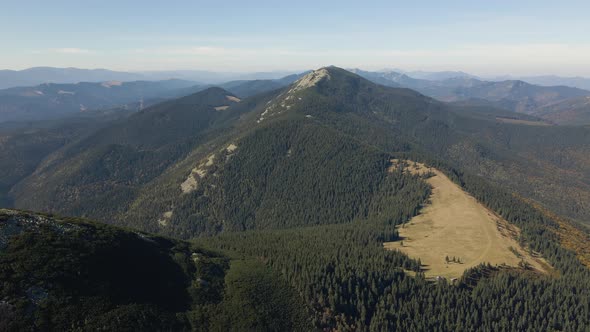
<point x="223" y="175"/>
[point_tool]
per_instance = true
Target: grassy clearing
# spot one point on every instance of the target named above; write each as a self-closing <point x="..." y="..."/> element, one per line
<point x="523" y="122"/>
<point x="455" y="232"/>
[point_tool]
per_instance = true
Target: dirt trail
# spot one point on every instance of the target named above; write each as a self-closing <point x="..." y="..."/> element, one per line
<point x="454" y="224"/>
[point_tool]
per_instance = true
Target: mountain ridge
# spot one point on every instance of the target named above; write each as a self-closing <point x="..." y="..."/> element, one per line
<point x="40" y="75"/>
<point x="352" y="112"/>
<point x="299" y="187"/>
<point x="50" y="100"/>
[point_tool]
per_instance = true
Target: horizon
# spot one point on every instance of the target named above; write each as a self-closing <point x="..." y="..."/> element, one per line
<point x="295" y="166"/>
<point x="285" y="72"/>
<point x="528" y="38"/>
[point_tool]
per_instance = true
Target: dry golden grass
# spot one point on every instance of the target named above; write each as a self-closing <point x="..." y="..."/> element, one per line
<point x="454" y="224"/>
<point x="234" y="99"/>
<point x="523" y="122"/>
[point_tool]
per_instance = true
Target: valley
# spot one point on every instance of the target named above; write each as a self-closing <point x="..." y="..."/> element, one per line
<point x="302" y="166"/>
<point x="288" y="196"/>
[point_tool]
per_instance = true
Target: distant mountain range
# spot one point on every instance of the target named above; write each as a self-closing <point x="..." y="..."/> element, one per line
<point x="121" y="169"/>
<point x="574" y="111"/>
<point x="513" y="95"/>
<point x="434" y="75"/>
<point x="39" y="75"/>
<point x="549" y="80"/>
<point x="52" y="100"/>
<point x="287" y="197"/>
<point x="211" y="77"/>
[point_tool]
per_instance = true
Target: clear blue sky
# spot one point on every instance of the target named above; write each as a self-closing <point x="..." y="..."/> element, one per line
<point x="482" y="37"/>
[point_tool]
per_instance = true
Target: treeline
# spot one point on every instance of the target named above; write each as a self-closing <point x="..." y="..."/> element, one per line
<point x="351" y="283"/>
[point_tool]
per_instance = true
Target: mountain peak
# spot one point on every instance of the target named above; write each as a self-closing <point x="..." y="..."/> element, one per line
<point x="311" y="79"/>
<point x="333" y="74"/>
<point x="290" y="97"/>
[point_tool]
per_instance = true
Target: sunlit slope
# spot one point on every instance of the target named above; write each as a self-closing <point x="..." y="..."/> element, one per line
<point x="455" y="232"/>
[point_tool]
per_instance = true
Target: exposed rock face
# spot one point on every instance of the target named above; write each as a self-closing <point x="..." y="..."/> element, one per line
<point x="310" y="79"/>
<point x="286" y="100"/>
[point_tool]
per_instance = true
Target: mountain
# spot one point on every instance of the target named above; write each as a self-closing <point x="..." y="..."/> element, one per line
<point x="211" y="77"/>
<point x="513" y="95"/>
<point x="550" y="80"/>
<point x="71" y="274"/>
<point x="117" y="171"/>
<point x="47" y="101"/>
<point x="444" y="89"/>
<point x="575" y="111"/>
<point x="50" y="101"/>
<point x="441" y="88"/>
<point x="437" y="75"/>
<point x="166" y="182"/>
<point x="518" y="95"/>
<point x="112" y="163"/>
<point x="40" y="75"/>
<point x="301" y="187"/>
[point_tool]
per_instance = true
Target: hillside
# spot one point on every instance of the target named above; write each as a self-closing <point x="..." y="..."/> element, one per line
<point x="184" y="180"/>
<point x="454" y="232"/>
<point x="23" y="146"/>
<point x="159" y="193"/>
<point x="573" y="112"/>
<point x="352" y="283"/>
<point x="98" y="175"/>
<point x="298" y="187"/>
<point x="272" y="174"/>
<point x="70" y="274"/>
<point x="520" y="152"/>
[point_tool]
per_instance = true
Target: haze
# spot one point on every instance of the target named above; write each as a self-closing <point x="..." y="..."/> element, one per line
<point x="491" y="38"/>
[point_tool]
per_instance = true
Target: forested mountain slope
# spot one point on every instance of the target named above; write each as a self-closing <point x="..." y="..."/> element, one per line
<point x="296" y="180"/>
<point x="353" y="284"/>
<point x="575" y="111"/>
<point x="66" y="274"/>
<point x="289" y="165"/>
<point x="184" y="167"/>
<point x="24" y="145"/>
<point x="99" y="174"/>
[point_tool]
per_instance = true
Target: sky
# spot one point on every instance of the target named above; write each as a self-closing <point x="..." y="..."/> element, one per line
<point x="497" y="37"/>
